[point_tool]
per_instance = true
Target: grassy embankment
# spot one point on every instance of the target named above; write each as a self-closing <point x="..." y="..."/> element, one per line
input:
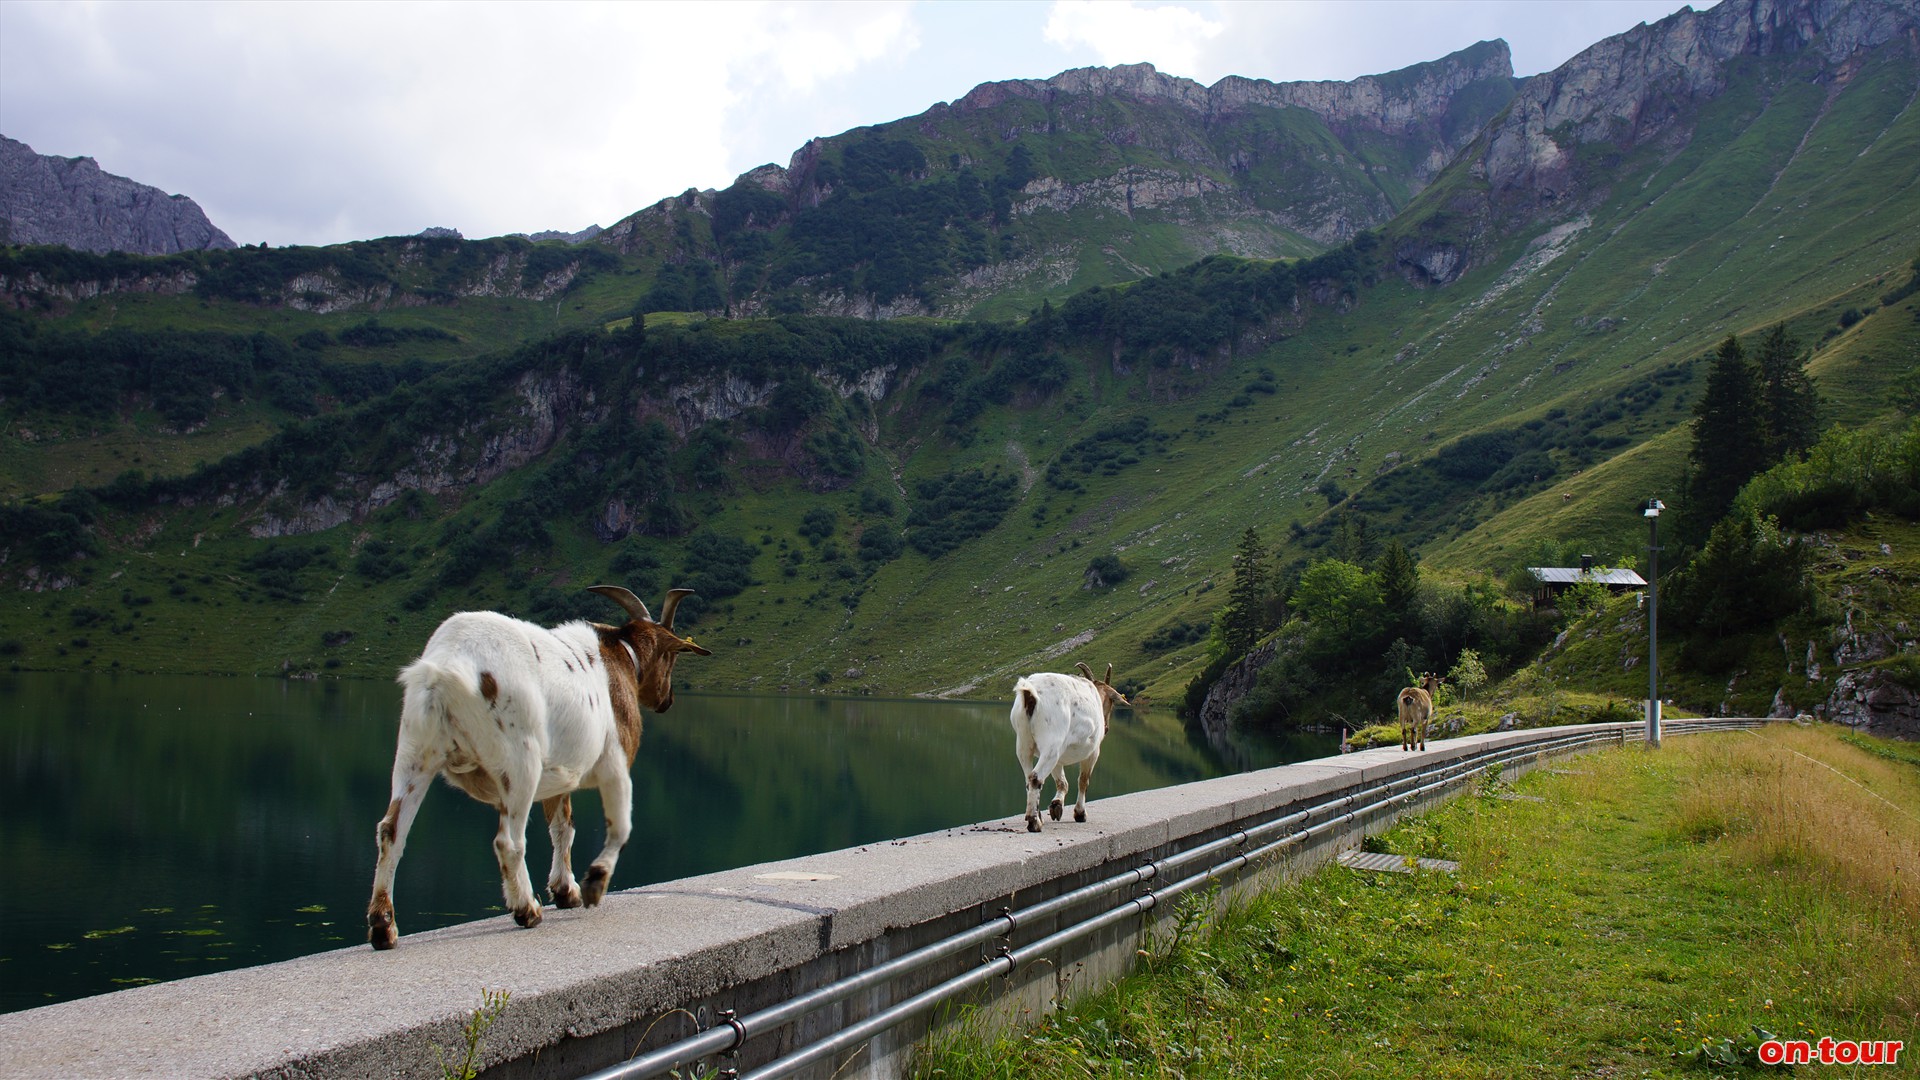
<point x="1651" y="905"/>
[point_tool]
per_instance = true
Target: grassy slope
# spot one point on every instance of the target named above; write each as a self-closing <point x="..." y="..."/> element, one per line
<point x="1851" y="571"/>
<point x="64" y="451"/>
<point x="1677" y="260"/>
<point x="1650" y="905"/>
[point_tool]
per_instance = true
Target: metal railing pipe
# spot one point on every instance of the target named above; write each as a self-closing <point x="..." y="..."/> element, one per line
<point x="734" y="1032"/>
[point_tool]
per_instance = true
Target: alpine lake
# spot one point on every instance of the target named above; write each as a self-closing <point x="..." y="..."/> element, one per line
<point x="158" y="827"/>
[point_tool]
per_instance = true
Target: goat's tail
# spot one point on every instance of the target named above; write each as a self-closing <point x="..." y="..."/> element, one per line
<point x="1407" y="698"/>
<point x="435" y="687"/>
<point x="1025" y="699"/>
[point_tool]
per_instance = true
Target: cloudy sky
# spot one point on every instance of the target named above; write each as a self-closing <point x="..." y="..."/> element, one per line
<point x="315" y="123"/>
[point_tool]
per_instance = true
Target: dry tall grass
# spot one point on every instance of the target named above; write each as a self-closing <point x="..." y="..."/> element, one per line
<point x="1838" y="829"/>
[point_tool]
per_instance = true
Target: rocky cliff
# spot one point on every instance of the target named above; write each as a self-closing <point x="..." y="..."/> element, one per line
<point x="1643" y="88"/>
<point x="71" y="202"/>
<point x="1038" y="187"/>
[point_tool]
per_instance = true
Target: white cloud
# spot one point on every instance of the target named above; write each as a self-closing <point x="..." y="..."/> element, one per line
<point x="322" y="122"/>
<point x="305" y="122"/>
<point x="1170" y="37"/>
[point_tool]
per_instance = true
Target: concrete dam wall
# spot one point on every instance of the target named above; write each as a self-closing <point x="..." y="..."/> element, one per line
<point x="836" y="963"/>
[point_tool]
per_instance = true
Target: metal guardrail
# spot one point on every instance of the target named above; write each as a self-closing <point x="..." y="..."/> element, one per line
<point x="1248" y="846"/>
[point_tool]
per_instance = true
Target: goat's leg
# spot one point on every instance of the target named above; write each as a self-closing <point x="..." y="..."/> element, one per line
<point x="560" y="883"/>
<point x="616" y="800"/>
<point x="1080" y="793"/>
<point x="1059" y="803"/>
<point x="1023" y="749"/>
<point x="1046" y="764"/>
<point x="411" y="778"/>
<point x="510" y="843"/>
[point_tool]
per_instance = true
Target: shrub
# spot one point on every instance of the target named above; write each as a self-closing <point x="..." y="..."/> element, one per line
<point x="1749" y="574"/>
<point x="1105" y="571"/>
<point x="956" y="507"/>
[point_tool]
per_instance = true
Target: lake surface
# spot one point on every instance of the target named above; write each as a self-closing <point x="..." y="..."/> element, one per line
<point x="156" y="827"/>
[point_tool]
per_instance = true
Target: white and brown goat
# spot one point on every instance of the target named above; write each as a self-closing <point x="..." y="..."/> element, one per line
<point x="1416" y="709"/>
<point x="1060" y="720"/>
<point x="513" y="714"/>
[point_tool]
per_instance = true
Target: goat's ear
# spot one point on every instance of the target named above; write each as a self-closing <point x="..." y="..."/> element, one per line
<point x="687" y="645"/>
<point x="671" y="605"/>
<point x="1084" y="670"/>
<point x="633" y="605"/>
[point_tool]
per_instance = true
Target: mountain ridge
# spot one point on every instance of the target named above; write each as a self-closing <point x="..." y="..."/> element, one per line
<point x="1059" y="182"/>
<point x="857" y="496"/>
<point x="74" y="203"/>
<point x="1545" y="160"/>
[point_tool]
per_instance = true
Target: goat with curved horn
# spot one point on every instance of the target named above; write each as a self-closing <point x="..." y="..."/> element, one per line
<point x="634" y="606"/>
<point x="513" y="714"/>
<point x="1059" y="721"/>
<point x="672" y="604"/>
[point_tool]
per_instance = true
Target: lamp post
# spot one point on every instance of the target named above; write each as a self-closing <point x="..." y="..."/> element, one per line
<point x="1652" y="512"/>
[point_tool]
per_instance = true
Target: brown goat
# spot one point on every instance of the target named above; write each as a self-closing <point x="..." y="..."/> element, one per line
<point x="1416" y="708"/>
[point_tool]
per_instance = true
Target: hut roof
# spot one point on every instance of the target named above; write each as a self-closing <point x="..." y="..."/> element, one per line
<point x="1569" y="575"/>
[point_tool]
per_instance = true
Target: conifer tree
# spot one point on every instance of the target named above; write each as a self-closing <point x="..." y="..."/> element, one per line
<point x="1244" y="619"/>
<point x="1790" y="404"/>
<point x="1729" y="440"/>
<point x="1352" y="542"/>
<point x="1399" y="581"/>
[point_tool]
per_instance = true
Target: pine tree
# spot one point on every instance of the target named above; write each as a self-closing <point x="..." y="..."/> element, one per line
<point x="1244" y="620"/>
<point x="1729" y="440"/>
<point x="1399" y="580"/>
<point x="1352" y="542"/>
<point x="1789" y="402"/>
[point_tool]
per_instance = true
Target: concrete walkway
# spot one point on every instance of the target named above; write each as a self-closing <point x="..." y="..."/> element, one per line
<point x="585" y="983"/>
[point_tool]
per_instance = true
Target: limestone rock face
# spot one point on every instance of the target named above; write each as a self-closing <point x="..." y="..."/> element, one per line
<point x="1409" y="100"/>
<point x="473" y="455"/>
<point x="1635" y="88"/>
<point x="71" y="202"/>
<point x="1874" y="703"/>
<point x="1216" y="713"/>
<point x="1244" y="167"/>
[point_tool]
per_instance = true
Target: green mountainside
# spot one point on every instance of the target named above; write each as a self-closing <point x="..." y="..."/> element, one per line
<point x="1030" y="190"/>
<point x="209" y="469"/>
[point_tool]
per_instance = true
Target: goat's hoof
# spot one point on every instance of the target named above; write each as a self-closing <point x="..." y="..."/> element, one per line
<point x="566" y="896"/>
<point x="595" y="887"/>
<point x="528" y="917"/>
<point x="1055" y="809"/>
<point x="1033" y="822"/>
<point x="1079" y="814"/>
<point x="380" y="931"/>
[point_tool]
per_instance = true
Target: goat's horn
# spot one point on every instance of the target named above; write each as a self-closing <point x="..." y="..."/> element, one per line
<point x="625" y="598"/>
<point x="672" y="604"/>
<point x="1109" y="674"/>
<point x="1084" y="670"/>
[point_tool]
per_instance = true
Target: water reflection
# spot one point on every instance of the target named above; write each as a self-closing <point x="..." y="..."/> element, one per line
<point x="164" y="826"/>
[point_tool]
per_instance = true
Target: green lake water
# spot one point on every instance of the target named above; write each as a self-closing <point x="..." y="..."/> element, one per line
<point x="156" y="827"/>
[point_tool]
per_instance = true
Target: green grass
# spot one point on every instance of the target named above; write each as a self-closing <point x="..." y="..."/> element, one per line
<point x="1651" y="904"/>
<point x="1854" y="579"/>
<point x="1681" y="252"/>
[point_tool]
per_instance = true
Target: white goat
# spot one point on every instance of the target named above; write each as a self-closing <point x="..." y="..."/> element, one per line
<point x="512" y="714"/>
<point x="1059" y="720"/>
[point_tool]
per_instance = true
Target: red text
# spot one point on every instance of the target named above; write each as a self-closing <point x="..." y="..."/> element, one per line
<point x="1829" y="1051"/>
